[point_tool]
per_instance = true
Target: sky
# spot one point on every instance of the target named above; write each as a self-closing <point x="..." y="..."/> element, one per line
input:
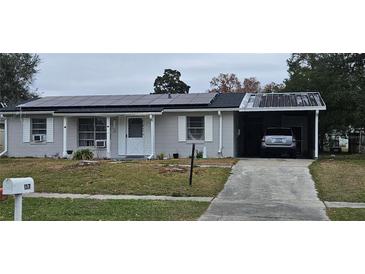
<point x="91" y="74"/>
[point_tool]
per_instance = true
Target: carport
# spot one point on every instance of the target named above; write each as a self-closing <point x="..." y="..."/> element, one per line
<point x="296" y="110"/>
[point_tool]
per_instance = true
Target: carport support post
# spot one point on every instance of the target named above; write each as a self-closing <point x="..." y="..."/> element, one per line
<point x="64" y="151"/>
<point x="220" y="133"/>
<point x="152" y="119"/>
<point x="316" y="135"/>
<point x="108" y="137"/>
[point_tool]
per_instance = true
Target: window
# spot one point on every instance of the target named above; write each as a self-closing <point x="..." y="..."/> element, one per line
<point x="279" y="131"/>
<point x="195" y="128"/>
<point x="39" y="126"/>
<point x="90" y="130"/>
<point x="135" y="128"/>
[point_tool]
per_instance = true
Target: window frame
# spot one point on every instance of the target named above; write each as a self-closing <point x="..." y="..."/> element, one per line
<point x="94" y="132"/>
<point x="202" y="128"/>
<point x="38" y="129"/>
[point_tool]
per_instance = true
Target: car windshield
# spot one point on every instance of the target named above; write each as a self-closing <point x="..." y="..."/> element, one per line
<point x="279" y="131"/>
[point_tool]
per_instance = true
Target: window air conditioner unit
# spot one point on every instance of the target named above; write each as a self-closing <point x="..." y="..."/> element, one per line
<point x="100" y="143"/>
<point x="39" y="138"/>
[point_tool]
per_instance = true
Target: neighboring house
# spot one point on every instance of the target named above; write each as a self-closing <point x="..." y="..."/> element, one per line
<point x="118" y="126"/>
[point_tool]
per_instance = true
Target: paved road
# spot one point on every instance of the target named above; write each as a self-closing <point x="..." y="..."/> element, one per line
<point x="268" y="189"/>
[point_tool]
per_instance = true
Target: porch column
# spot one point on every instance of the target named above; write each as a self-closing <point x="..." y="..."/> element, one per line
<point x="152" y="119"/>
<point x="64" y="151"/>
<point x="108" y="155"/>
<point x="220" y="133"/>
<point x="316" y="135"/>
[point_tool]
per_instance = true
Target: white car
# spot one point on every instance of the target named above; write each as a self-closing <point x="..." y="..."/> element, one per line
<point x="278" y="141"/>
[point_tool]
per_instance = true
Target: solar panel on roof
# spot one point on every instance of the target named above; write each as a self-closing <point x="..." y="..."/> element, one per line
<point x="283" y="100"/>
<point x="123" y="100"/>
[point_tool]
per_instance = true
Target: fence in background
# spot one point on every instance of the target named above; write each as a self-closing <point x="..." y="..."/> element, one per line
<point x="357" y="142"/>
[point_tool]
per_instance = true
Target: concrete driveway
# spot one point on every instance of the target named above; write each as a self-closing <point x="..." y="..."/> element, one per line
<point x="268" y="189"/>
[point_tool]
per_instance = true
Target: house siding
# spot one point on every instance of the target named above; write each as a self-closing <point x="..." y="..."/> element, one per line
<point x="167" y="135"/>
<point x="17" y="148"/>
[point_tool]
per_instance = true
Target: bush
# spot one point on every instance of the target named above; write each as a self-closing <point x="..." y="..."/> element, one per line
<point x="83" y="154"/>
<point x="160" y="156"/>
<point x="199" y="154"/>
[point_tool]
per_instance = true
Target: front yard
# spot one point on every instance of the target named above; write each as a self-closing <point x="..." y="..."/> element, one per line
<point x="123" y="177"/>
<point x="167" y="177"/>
<point x="341" y="179"/>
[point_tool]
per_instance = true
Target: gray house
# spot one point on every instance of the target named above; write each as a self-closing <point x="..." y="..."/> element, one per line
<point x="119" y="126"/>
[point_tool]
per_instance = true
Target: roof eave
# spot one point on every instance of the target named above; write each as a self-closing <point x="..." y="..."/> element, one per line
<point x="266" y="109"/>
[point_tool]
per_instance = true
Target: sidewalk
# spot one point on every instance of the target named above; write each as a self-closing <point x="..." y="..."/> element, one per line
<point x="344" y="205"/>
<point x="116" y="197"/>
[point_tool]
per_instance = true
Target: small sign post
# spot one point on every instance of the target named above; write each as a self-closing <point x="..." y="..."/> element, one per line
<point x="192" y="165"/>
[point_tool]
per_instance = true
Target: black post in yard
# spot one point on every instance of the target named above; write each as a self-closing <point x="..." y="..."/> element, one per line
<point x="192" y="165"/>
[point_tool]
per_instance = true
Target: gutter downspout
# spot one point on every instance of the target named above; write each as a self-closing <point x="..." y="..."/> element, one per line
<point x="152" y="121"/>
<point x="220" y="134"/>
<point x="5" y="138"/>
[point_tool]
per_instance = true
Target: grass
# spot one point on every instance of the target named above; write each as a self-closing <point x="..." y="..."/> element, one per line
<point x="132" y="177"/>
<point x="346" y="214"/>
<point x="45" y="209"/>
<point x="341" y="179"/>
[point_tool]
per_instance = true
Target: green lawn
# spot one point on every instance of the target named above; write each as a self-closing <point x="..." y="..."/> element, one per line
<point x="346" y="214"/>
<point x="131" y="177"/>
<point x="45" y="209"/>
<point x="341" y="179"/>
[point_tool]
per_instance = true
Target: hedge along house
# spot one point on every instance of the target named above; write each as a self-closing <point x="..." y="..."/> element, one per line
<point x="121" y="126"/>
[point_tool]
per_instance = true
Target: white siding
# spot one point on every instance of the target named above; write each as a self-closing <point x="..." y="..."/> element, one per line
<point x="167" y="135"/>
<point x="18" y="148"/>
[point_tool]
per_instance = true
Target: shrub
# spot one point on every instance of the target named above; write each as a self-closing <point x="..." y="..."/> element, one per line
<point x="199" y="154"/>
<point x="160" y="156"/>
<point x="83" y="154"/>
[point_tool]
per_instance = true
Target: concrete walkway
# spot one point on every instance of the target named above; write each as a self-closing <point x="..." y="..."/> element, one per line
<point x="116" y="197"/>
<point x="268" y="189"/>
<point x="344" y="204"/>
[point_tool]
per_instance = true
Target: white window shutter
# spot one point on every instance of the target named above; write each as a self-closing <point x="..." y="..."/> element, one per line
<point x="26" y="130"/>
<point x="50" y="130"/>
<point x="208" y="128"/>
<point x="181" y="128"/>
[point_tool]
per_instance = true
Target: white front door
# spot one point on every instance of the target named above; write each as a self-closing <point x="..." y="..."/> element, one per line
<point x="135" y="140"/>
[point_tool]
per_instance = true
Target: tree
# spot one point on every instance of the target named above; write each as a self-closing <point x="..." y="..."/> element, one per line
<point x="225" y="83"/>
<point x="340" y="78"/>
<point x="17" y="72"/>
<point x="251" y="85"/>
<point x="273" y="87"/>
<point x="170" y="82"/>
